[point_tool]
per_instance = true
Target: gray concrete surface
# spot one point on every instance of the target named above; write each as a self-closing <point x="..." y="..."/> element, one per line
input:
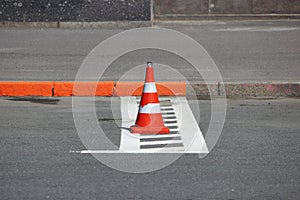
<point x="257" y="155"/>
<point x="243" y="51"/>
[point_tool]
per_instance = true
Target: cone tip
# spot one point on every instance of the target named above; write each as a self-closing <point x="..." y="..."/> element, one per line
<point x="149" y="64"/>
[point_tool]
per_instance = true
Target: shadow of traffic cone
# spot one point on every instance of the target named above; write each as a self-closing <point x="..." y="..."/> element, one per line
<point x="149" y="119"/>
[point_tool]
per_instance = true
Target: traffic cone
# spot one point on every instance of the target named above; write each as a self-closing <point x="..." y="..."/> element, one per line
<point x="149" y="119"/>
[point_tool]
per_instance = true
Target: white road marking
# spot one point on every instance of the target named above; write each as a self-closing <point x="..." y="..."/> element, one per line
<point x="173" y="124"/>
<point x="165" y="115"/>
<point x="161" y="142"/>
<point x="166" y="107"/>
<point x="191" y="134"/>
<point x="129" y="109"/>
<point x="169" y="120"/>
<point x="188" y="130"/>
<point x="166" y="111"/>
<point x="257" y="29"/>
<point x="144" y="151"/>
<point x="276" y="29"/>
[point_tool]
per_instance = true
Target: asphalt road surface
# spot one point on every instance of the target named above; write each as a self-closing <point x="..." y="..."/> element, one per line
<point x="242" y="50"/>
<point x="256" y="157"/>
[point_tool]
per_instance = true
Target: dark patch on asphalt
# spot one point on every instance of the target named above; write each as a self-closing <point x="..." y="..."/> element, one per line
<point x="35" y="100"/>
<point x="107" y="119"/>
<point x="262" y="98"/>
<point x="245" y="104"/>
<point x="203" y="97"/>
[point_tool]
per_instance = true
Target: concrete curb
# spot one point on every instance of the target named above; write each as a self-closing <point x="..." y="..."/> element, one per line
<point x="111" y="88"/>
<point x="158" y="21"/>
<point x="78" y="25"/>
<point x="183" y="17"/>
<point x="246" y="89"/>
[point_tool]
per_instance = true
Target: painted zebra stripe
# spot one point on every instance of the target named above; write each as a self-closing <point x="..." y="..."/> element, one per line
<point x="159" y="136"/>
<point x="159" y="139"/>
<point x="172" y="125"/>
<point x="174" y="120"/>
<point x="161" y="142"/>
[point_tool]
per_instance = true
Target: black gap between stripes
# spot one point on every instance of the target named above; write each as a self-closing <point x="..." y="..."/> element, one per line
<point x="169" y="113"/>
<point x="159" y="139"/>
<point x="170" y="117"/>
<point x="170" y="122"/>
<point x="172" y="127"/>
<point x="161" y="145"/>
<point x="166" y="109"/>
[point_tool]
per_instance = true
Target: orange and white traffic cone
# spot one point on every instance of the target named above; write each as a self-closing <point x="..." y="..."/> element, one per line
<point x="149" y="119"/>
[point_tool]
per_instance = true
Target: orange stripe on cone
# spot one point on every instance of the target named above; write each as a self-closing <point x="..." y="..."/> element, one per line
<point x="149" y="98"/>
<point x="144" y="119"/>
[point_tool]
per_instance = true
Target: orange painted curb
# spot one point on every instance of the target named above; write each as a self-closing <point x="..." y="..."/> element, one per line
<point x="163" y="88"/>
<point x="108" y="88"/>
<point x="26" y="88"/>
<point x="83" y="88"/>
<point x="171" y="88"/>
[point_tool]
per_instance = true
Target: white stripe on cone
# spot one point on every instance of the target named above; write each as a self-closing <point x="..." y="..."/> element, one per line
<point x="149" y="88"/>
<point x="150" y="108"/>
